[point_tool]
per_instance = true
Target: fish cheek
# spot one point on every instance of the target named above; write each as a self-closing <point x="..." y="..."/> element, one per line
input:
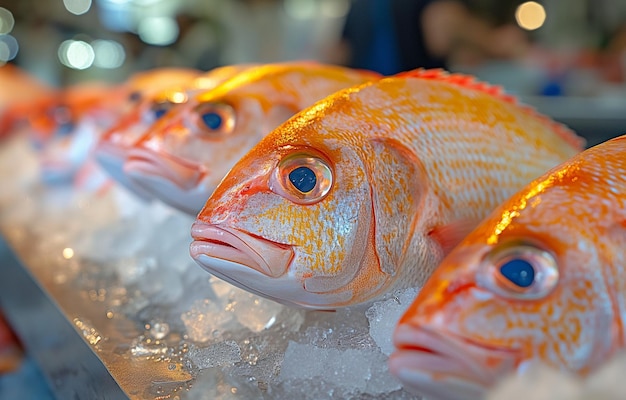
<point x="398" y="184"/>
<point x="342" y="258"/>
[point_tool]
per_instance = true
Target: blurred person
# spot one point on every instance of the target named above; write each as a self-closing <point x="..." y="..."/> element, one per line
<point x="390" y="36"/>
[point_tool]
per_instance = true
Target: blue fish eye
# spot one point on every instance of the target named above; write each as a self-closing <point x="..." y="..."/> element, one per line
<point x="519" y="272"/>
<point x="212" y="120"/>
<point x="158" y="113"/>
<point x="65" y="128"/>
<point x="303" y="179"/>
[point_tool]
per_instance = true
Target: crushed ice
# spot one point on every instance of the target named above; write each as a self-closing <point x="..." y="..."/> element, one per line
<point x="132" y="257"/>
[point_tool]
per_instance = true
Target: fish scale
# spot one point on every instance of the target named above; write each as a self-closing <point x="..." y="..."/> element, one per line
<point x="421" y="157"/>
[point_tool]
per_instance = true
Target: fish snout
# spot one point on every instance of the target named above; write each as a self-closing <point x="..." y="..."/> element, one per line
<point x="145" y="164"/>
<point x="440" y="364"/>
<point x="224" y="243"/>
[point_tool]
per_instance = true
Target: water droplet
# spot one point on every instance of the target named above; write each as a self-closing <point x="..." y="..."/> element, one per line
<point x="159" y="329"/>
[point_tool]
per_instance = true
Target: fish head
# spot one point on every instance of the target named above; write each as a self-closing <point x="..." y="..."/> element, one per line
<point x="291" y="225"/>
<point x="527" y="285"/>
<point x="115" y="144"/>
<point x="66" y="131"/>
<point x="183" y="158"/>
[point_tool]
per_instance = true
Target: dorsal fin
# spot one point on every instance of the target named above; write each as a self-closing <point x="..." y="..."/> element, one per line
<point x="497" y="91"/>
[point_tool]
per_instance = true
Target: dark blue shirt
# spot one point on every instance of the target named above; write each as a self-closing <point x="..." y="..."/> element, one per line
<point x="386" y="36"/>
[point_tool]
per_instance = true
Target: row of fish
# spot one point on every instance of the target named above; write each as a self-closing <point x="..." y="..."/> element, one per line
<point x="322" y="187"/>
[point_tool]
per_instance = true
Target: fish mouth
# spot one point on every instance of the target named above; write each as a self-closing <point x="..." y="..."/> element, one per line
<point x="258" y="265"/>
<point x="144" y="164"/>
<point x="181" y="184"/>
<point x="111" y="158"/>
<point x="442" y="365"/>
<point x="269" y="258"/>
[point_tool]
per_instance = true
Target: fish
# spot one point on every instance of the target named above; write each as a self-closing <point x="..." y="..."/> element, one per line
<point x="149" y="95"/>
<point x="21" y="94"/>
<point x="541" y="280"/>
<point x="364" y="192"/>
<point x="65" y="130"/>
<point x="186" y="154"/>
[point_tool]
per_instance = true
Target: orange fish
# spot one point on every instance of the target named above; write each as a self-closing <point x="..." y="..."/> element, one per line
<point x="66" y="129"/>
<point x="149" y="95"/>
<point x="542" y="278"/>
<point x="368" y="189"/>
<point x="21" y="94"/>
<point x="183" y="157"/>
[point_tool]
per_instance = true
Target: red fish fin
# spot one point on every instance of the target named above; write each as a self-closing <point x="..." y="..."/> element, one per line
<point x="450" y="235"/>
<point x="399" y="185"/>
<point x="470" y="82"/>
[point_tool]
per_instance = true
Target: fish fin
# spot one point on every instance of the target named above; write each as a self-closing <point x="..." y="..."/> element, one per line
<point x="450" y="235"/>
<point x="470" y="82"/>
<point x="398" y="185"/>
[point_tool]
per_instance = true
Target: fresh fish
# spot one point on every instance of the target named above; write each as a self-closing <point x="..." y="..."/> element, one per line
<point x="21" y="94"/>
<point x="542" y="278"/>
<point x="65" y="130"/>
<point x="189" y="151"/>
<point x="368" y="189"/>
<point x="149" y="95"/>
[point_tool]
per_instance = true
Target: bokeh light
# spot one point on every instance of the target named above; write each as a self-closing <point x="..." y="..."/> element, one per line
<point x="159" y="31"/>
<point x="335" y="8"/>
<point x="77" y="7"/>
<point x="6" y="21"/>
<point x="530" y="15"/>
<point x="68" y="253"/>
<point x="300" y="9"/>
<point x="76" y="54"/>
<point x="108" y="54"/>
<point x="8" y="48"/>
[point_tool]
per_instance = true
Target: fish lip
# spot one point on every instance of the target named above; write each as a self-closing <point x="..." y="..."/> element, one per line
<point x="267" y="257"/>
<point x="447" y="354"/>
<point x="143" y="163"/>
<point x="111" y="157"/>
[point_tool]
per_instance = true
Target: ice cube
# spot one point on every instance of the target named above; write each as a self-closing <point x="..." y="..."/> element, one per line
<point x="383" y="316"/>
<point x="204" y="319"/>
<point x="336" y="372"/>
<point x="254" y="312"/>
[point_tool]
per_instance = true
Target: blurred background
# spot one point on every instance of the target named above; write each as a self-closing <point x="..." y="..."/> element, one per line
<point x="567" y="58"/>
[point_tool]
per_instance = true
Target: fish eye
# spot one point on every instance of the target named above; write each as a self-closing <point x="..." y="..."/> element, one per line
<point x="212" y="120"/>
<point x="302" y="178"/>
<point x="157" y="110"/>
<point x="519" y="270"/>
<point x="134" y="97"/>
<point x="62" y="117"/>
<point x="65" y="128"/>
